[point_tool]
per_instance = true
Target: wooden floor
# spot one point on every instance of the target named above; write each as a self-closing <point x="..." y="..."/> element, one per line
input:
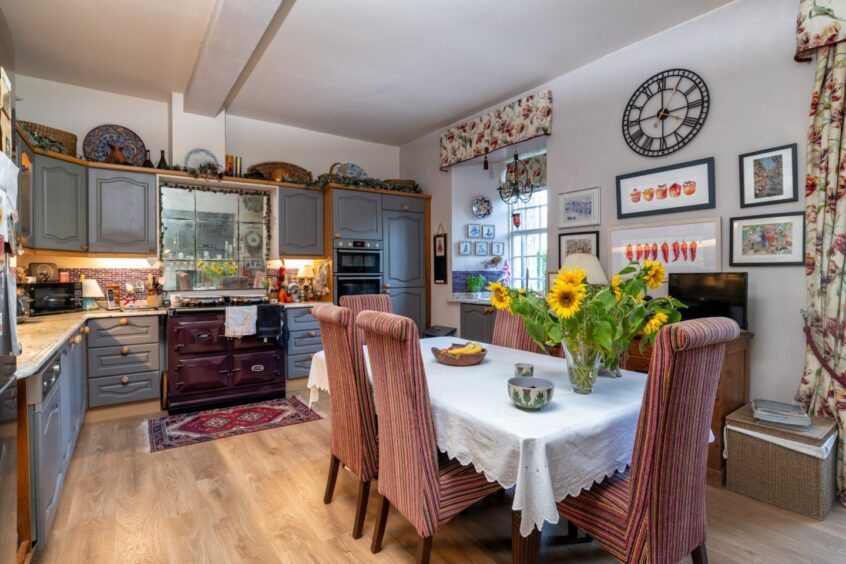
<point x="258" y="498"/>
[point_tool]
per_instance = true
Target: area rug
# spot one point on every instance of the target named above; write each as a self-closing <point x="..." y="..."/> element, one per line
<point x="201" y="426"/>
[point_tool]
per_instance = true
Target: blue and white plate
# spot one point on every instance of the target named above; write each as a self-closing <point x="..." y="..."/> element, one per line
<point x="482" y="207"/>
<point x="196" y="157"/>
<point x="96" y="148"/>
<point x="348" y="169"/>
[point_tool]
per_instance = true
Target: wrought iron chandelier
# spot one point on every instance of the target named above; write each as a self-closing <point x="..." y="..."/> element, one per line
<point x="517" y="184"/>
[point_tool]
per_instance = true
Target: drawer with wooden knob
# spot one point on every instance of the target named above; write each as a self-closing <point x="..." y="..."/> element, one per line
<point x="123" y="388"/>
<point x="126" y="359"/>
<point x="303" y="342"/>
<point x="299" y="365"/>
<point x="300" y="319"/>
<point x="129" y="330"/>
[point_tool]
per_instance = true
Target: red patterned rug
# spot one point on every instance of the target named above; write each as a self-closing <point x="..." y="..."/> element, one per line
<point x="192" y="428"/>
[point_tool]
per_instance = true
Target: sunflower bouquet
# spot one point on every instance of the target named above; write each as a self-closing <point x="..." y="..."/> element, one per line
<point x="593" y="322"/>
<point x="216" y="270"/>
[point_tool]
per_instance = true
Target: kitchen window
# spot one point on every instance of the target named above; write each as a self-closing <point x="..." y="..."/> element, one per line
<point x="528" y="242"/>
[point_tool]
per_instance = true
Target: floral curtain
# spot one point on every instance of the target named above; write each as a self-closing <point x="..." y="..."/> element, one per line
<point x="819" y="24"/>
<point x="823" y="387"/>
<point x="522" y="119"/>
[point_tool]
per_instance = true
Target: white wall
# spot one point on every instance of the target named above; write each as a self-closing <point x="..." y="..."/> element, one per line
<point x="760" y="96"/>
<point x="191" y="131"/>
<point x="468" y="182"/>
<point x="257" y="141"/>
<point x="79" y="110"/>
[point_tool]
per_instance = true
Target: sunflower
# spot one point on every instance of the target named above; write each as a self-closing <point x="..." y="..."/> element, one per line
<point x="565" y="299"/>
<point x="500" y="298"/>
<point x="615" y="287"/>
<point x="655" y="273"/>
<point x="573" y="277"/>
<point x="658" y="320"/>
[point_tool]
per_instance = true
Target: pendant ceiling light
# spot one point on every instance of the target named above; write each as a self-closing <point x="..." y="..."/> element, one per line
<point x="517" y="184"/>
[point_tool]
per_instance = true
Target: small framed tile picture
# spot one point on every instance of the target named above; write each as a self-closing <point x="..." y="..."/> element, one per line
<point x="465" y="248"/>
<point x="498" y="248"/>
<point x="488" y="231"/>
<point x="474" y="230"/>
<point x="481" y="249"/>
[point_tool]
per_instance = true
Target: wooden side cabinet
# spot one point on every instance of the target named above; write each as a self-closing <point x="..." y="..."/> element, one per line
<point x="477" y="322"/>
<point x="732" y="393"/>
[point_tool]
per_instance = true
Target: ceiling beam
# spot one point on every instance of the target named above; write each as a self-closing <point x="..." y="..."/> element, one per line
<point x="237" y="34"/>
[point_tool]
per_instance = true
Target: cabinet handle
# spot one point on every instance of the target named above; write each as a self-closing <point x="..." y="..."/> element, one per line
<point x="84" y="247"/>
<point x="312" y="334"/>
<point x="124" y="380"/>
<point x="123" y="321"/>
<point x="311" y="356"/>
<point x="337" y="235"/>
<point x="85" y="330"/>
<point x="152" y="250"/>
<point x="488" y="310"/>
<point x="124" y="351"/>
<point x="386" y="285"/>
<point x="404" y="207"/>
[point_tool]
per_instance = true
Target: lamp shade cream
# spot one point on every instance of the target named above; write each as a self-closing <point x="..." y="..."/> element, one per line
<point x="306" y="272"/>
<point x="91" y="289"/>
<point x="588" y="263"/>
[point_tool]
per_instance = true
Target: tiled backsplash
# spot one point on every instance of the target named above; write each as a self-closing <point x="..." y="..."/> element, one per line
<point x="108" y="276"/>
<point x="459" y="278"/>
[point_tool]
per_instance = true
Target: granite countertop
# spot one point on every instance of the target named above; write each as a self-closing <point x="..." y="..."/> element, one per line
<point x="477" y="298"/>
<point x="40" y="337"/>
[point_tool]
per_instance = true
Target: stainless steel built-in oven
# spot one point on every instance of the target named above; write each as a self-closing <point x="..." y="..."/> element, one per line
<point x="357" y="257"/>
<point x="357" y="285"/>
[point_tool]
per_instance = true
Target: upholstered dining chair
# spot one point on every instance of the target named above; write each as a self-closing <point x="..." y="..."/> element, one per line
<point x="353" y="440"/>
<point x="655" y="511"/>
<point x="510" y="331"/>
<point x="427" y="492"/>
<point x="365" y="302"/>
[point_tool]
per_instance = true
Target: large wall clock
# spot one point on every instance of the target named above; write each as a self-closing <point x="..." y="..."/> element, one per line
<point x="666" y="112"/>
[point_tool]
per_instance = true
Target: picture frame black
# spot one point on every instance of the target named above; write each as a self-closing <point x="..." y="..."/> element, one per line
<point x="734" y="261"/>
<point x="563" y="236"/>
<point x="711" y="192"/>
<point x="794" y="177"/>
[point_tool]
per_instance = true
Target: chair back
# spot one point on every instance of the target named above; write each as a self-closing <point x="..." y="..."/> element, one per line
<point x="366" y="302"/>
<point x="510" y="331"/>
<point x="671" y="449"/>
<point x="408" y="464"/>
<point x="353" y="432"/>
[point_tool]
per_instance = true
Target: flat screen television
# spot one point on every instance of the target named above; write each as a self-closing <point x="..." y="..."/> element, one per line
<point x="717" y="294"/>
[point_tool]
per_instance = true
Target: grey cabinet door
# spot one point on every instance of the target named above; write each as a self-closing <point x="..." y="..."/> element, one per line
<point x="477" y="322"/>
<point x="50" y="475"/>
<point x="66" y="391"/>
<point x="77" y="363"/>
<point x="410" y="302"/>
<point x="60" y="205"/>
<point x="356" y="215"/>
<point x="405" y="259"/>
<point x="300" y="222"/>
<point x="122" y="212"/>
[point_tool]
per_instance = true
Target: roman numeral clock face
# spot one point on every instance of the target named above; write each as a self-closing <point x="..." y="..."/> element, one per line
<point x="666" y="112"/>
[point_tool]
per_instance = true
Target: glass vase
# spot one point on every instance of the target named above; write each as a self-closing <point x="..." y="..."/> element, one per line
<point x="582" y="366"/>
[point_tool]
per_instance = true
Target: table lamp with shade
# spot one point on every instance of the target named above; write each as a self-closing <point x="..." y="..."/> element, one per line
<point x="590" y="264"/>
<point x="91" y="292"/>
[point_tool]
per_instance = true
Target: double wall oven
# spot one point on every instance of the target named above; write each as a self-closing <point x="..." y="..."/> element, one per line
<point x="358" y="267"/>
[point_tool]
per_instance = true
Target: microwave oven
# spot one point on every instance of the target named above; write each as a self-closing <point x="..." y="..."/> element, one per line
<point x="54" y="297"/>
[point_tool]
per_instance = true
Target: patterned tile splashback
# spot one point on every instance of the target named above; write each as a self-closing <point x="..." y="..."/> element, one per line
<point x="108" y="276"/>
<point x="459" y="278"/>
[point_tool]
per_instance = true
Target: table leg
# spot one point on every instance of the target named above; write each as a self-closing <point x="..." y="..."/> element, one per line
<point x="524" y="550"/>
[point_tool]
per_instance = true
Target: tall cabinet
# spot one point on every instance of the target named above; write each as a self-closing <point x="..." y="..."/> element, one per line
<point x="404" y="270"/>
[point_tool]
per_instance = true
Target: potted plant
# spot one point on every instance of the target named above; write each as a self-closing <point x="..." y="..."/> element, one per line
<point x="593" y="322"/>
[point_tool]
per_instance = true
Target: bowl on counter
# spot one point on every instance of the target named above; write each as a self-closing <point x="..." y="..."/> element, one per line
<point x="530" y="394"/>
<point x="462" y="359"/>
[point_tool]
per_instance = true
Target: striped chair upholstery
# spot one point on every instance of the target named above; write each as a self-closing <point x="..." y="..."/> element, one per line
<point x="510" y="331"/>
<point x="353" y="434"/>
<point x="411" y="479"/>
<point x="365" y="302"/>
<point x="655" y="511"/>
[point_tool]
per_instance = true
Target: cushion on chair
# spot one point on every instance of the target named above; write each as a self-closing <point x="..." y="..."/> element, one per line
<point x="460" y="487"/>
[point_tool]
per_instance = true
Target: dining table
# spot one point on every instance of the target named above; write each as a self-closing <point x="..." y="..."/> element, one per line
<point x="573" y="442"/>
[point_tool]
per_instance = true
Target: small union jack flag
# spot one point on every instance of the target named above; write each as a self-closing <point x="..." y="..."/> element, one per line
<point x="505" y="277"/>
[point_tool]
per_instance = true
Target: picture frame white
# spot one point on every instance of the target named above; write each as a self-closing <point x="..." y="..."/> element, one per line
<point x="587" y="240"/>
<point x="474" y="230"/>
<point x="706" y="255"/>
<point x="465" y="248"/>
<point x="579" y="208"/>
<point x="480" y="248"/>
<point x="769" y="176"/>
<point x="775" y="239"/>
<point x="498" y="248"/>
<point x="667" y="189"/>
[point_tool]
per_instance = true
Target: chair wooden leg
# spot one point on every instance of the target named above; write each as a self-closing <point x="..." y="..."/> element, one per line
<point x="361" y="508"/>
<point x="572" y="531"/>
<point x="424" y="550"/>
<point x="699" y="555"/>
<point x="334" y="465"/>
<point x="379" y="530"/>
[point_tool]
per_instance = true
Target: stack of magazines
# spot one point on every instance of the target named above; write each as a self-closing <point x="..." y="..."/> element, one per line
<point x="780" y="414"/>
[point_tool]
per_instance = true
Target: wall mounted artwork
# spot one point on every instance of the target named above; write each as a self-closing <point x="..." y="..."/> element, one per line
<point x="572" y="243"/>
<point x="667" y="189"/>
<point x="579" y="208"/>
<point x="768" y="240"/>
<point x="768" y="177"/>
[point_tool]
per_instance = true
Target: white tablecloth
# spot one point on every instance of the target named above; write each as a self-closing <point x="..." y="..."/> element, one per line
<point x="575" y="441"/>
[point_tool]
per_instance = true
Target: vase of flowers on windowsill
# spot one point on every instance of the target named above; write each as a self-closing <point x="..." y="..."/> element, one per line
<point x="592" y="322"/>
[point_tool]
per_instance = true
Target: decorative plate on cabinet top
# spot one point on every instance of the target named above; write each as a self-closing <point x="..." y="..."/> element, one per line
<point x="196" y="157"/>
<point x="96" y="147"/>
<point x="482" y="207"/>
<point x="348" y="169"/>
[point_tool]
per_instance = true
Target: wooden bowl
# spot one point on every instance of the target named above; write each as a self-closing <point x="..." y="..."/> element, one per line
<point x="458" y="359"/>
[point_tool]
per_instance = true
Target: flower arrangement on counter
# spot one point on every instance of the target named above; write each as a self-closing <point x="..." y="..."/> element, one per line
<point x="593" y="322"/>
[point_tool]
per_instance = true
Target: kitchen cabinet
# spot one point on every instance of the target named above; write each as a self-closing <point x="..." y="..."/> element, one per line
<point x="48" y="477"/>
<point x="304" y="340"/>
<point x="404" y="249"/>
<point x="410" y="302"/>
<point x="60" y="205"/>
<point x="25" y="188"/>
<point x="122" y="212"/>
<point x="356" y="215"/>
<point x="300" y="222"/>
<point x="477" y="322"/>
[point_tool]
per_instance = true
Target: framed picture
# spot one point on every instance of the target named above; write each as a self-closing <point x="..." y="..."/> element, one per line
<point x="474" y="230"/>
<point x="440" y="259"/>
<point x="667" y="189"/>
<point x="573" y="243"/>
<point x="768" y="177"/>
<point x="481" y="249"/>
<point x="465" y="248"/>
<point x="579" y="208"/>
<point x="488" y="231"/>
<point x="682" y="246"/>
<point x="498" y="248"/>
<point x="776" y="239"/>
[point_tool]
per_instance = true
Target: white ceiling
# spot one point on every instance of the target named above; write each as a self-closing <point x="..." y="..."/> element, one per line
<point x="380" y="70"/>
<point x="144" y="48"/>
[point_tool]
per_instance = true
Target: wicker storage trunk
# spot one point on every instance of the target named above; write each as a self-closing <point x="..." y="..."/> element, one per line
<point x="779" y="474"/>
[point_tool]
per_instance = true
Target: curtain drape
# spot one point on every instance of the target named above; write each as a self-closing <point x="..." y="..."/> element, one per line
<point x="823" y="387"/>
